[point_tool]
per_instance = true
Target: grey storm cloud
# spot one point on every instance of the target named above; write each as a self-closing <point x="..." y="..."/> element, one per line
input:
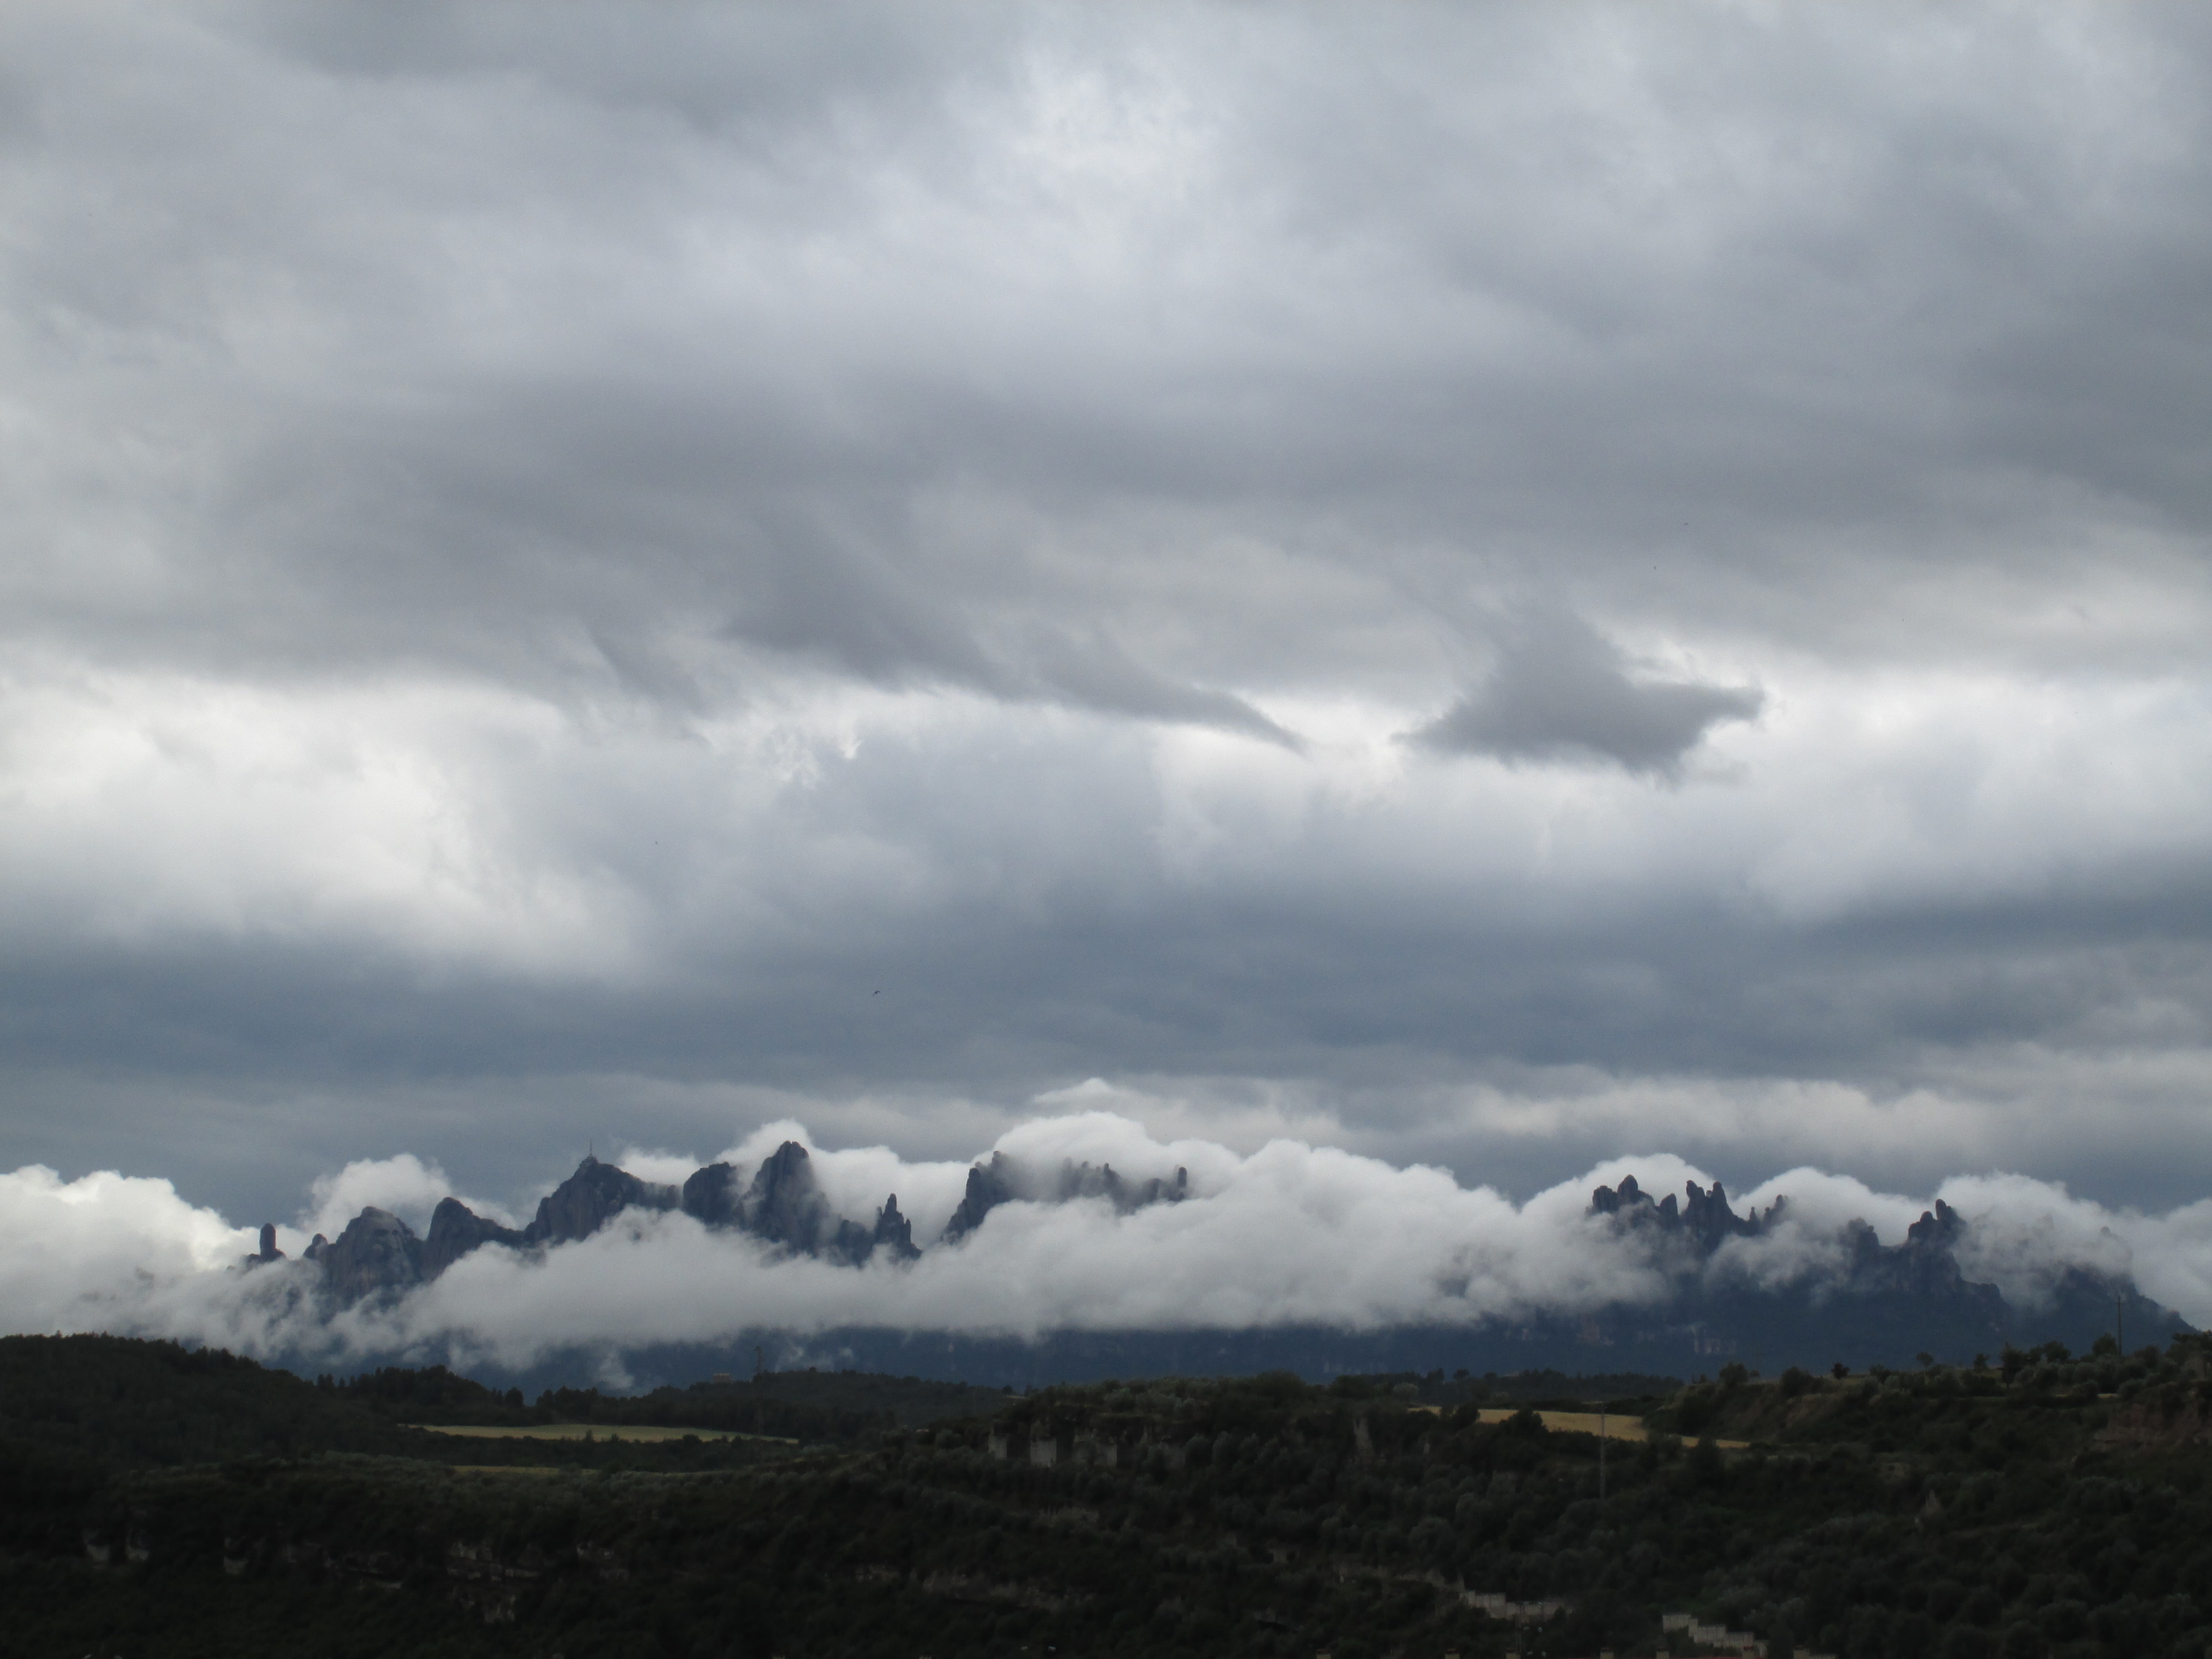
<point x="569" y="571"/>
<point x="1562" y="691"/>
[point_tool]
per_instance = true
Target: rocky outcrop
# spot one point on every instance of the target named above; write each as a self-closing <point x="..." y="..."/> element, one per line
<point x="1704" y="1219"/>
<point x="894" y="1235"/>
<point x="1874" y="1290"/>
<point x="590" y="1198"/>
<point x="1082" y="1181"/>
<point x="377" y="1253"/>
<point x="782" y="1205"/>
<point x="785" y="1204"/>
<point x="1002" y="1181"/>
<point x="989" y="1185"/>
<point x="455" y="1230"/>
<point x="713" y="1196"/>
<point x="268" y="1252"/>
<point x="1923" y="1266"/>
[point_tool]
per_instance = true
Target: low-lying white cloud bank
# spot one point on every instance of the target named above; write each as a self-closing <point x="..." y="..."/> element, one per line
<point x="1292" y="1234"/>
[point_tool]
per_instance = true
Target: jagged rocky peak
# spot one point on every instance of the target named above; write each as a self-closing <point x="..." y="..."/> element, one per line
<point x="1937" y="1228"/>
<point x="989" y="1185"/>
<point x="1083" y="1181"/>
<point x="1625" y="1200"/>
<point x="711" y="1195"/>
<point x="999" y="1180"/>
<point x="894" y="1233"/>
<point x="1703" y="1216"/>
<point x="587" y="1199"/>
<point x="1922" y="1265"/>
<point x="1706" y="1216"/>
<point x="455" y="1230"/>
<point x="377" y="1252"/>
<point x="784" y="1204"/>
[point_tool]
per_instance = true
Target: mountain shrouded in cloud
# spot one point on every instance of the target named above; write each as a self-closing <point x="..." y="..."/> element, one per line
<point x="1470" y="590"/>
<point x="1087" y="1225"/>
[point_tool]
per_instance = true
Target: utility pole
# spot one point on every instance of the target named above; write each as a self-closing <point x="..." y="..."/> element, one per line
<point x="1600" y="1451"/>
<point x="2120" y="1323"/>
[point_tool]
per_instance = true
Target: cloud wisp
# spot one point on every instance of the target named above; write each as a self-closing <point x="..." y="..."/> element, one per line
<point x="1562" y="691"/>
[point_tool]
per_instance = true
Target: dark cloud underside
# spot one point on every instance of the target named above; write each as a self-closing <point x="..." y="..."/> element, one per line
<point x="549" y="554"/>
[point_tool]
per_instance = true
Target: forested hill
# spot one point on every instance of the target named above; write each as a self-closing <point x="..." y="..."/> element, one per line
<point x="2043" y="1507"/>
<point x="122" y="1402"/>
<point x="119" y="1403"/>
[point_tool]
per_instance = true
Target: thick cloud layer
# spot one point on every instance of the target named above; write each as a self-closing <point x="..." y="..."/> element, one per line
<point x="1485" y="587"/>
<point x="1290" y="1235"/>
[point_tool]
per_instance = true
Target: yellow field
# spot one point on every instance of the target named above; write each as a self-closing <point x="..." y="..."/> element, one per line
<point x="640" y="1431"/>
<point x="1616" y="1427"/>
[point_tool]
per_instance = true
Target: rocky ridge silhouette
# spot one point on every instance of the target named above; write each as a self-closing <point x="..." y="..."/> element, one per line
<point x="783" y="1205"/>
<point x="1849" y="1292"/>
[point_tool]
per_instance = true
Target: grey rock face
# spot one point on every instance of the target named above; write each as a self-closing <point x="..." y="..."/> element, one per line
<point x="785" y="1206"/>
<point x="455" y="1230"/>
<point x="1704" y="1220"/>
<point x="268" y="1252"/>
<point x="378" y="1252"/>
<point x="712" y="1196"/>
<point x="989" y="1185"/>
<point x="587" y="1199"/>
<point x="894" y="1233"/>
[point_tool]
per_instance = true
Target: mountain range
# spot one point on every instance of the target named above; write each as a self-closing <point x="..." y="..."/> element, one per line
<point x="1864" y="1300"/>
<point x="783" y="1205"/>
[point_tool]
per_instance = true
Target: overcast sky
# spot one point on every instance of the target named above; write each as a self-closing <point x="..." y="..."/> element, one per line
<point x="1505" y="586"/>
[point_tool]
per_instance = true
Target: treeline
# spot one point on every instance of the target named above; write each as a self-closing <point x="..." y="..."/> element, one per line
<point x="830" y="1408"/>
<point x="117" y="1402"/>
<point x="1544" y="1389"/>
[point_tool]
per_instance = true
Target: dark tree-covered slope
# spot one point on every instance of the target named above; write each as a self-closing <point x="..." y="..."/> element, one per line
<point x="2043" y="1507"/>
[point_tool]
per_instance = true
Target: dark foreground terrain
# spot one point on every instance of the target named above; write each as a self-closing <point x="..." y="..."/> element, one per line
<point x="155" y="1501"/>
